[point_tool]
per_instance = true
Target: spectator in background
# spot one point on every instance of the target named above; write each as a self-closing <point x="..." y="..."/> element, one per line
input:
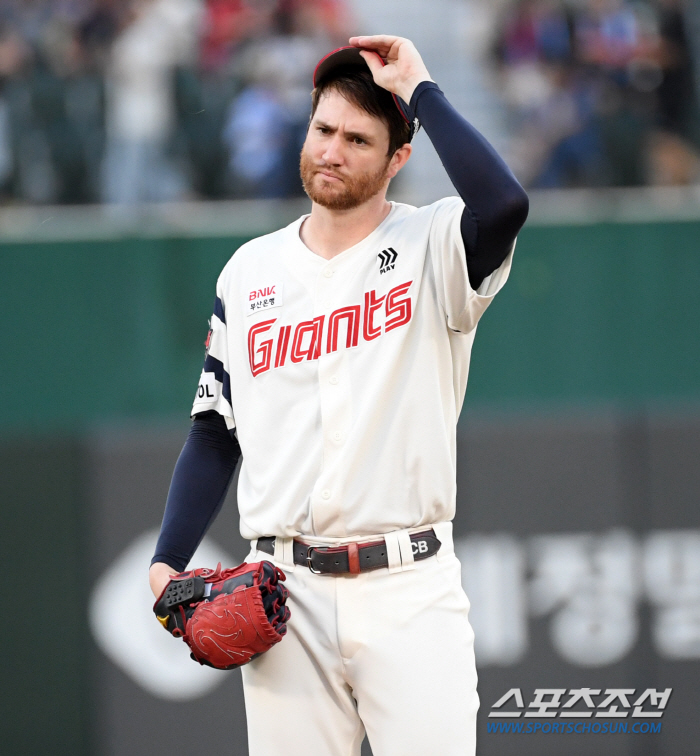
<point x="13" y="53"/>
<point x="677" y="91"/>
<point x="230" y="23"/>
<point x="306" y="30"/>
<point x="97" y="31"/>
<point x="157" y="36"/>
<point x="266" y="124"/>
<point x="607" y="35"/>
<point x="535" y="54"/>
<point x="255" y="134"/>
<point x="673" y="156"/>
<point x="6" y="157"/>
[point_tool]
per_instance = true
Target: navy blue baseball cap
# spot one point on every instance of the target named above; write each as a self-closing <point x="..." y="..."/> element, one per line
<point x="349" y="57"/>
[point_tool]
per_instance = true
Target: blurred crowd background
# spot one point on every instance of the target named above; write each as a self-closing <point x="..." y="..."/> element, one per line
<point x="599" y="92"/>
<point x="156" y="100"/>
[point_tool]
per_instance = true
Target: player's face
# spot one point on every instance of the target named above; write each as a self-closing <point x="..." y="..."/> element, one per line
<point x="344" y="160"/>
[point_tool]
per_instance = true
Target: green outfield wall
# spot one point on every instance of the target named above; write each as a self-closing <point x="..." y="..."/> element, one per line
<point x="108" y="329"/>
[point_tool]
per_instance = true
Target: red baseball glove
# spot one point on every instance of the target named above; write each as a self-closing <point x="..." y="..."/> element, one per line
<point x="226" y="617"/>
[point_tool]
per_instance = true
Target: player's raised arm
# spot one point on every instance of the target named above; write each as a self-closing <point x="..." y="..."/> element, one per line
<point x="496" y="204"/>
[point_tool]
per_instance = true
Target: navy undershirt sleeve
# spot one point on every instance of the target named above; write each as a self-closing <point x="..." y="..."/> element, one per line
<point x="496" y="204"/>
<point x="201" y="479"/>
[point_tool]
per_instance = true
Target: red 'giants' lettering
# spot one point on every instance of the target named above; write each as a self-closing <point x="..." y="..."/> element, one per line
<point x="282" y="343"/>
<point x="312" y="351"/>
<point x="352" y="315"/>
<point x="402" y="307"/>
<point x="371" y="306"/>
<point x="308" y="335"/>
<point x="264" y="348"/>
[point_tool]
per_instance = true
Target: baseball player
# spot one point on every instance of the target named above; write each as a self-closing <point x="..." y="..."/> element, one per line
<point x="336" y="366"/>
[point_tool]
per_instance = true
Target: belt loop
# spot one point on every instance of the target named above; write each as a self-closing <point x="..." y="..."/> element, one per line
<point x="253" y="549"/>
<point x="443" y="530"/>
<point x="406" y="550"/>
<point x="284" y="552"/>
<point x="353" y="559"/>
<point x="393" y="551"/>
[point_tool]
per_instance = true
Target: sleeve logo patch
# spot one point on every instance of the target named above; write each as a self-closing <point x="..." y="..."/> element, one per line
<point x="207" y="391"/>
<point x="263" y="298"/>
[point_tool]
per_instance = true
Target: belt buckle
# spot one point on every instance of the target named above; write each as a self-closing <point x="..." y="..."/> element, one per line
<point x="308" y="560"/>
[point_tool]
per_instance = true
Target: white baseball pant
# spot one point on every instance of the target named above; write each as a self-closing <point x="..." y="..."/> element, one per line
<point x="388" y="652"/>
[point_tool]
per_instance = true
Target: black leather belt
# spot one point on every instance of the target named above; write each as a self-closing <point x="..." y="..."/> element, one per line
<point x="352" y="558"/>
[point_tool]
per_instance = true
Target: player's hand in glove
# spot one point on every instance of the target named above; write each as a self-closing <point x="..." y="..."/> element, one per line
<point x="226" y="617"/>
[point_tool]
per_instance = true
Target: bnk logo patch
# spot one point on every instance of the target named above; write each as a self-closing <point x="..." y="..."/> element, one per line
<point x="263" y="298"/>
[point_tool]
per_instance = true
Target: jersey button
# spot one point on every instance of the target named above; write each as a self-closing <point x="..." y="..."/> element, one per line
<point x="326" y="494"/>
<point x="333" y="380"/>
<point x="337" y="435"/>
<point x="327" y="272"/>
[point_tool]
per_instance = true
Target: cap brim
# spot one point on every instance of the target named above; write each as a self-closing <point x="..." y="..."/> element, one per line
<point x="349" y="57"/>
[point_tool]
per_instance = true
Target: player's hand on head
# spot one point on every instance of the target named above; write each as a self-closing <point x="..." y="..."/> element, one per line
<point x="404" y="69"/>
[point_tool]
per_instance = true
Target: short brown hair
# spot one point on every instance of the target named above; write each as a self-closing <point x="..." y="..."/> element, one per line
<point x="358" y="87"/>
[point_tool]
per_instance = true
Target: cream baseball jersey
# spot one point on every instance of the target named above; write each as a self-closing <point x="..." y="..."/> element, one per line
<point x="345" y="378"/>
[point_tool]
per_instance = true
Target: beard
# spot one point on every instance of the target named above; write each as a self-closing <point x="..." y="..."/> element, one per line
<point x="353" y="192"/>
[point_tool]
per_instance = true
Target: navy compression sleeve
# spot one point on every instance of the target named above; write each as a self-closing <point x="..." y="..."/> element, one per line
<point x="201" y="479"/>
<point x="496" y="204"/>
